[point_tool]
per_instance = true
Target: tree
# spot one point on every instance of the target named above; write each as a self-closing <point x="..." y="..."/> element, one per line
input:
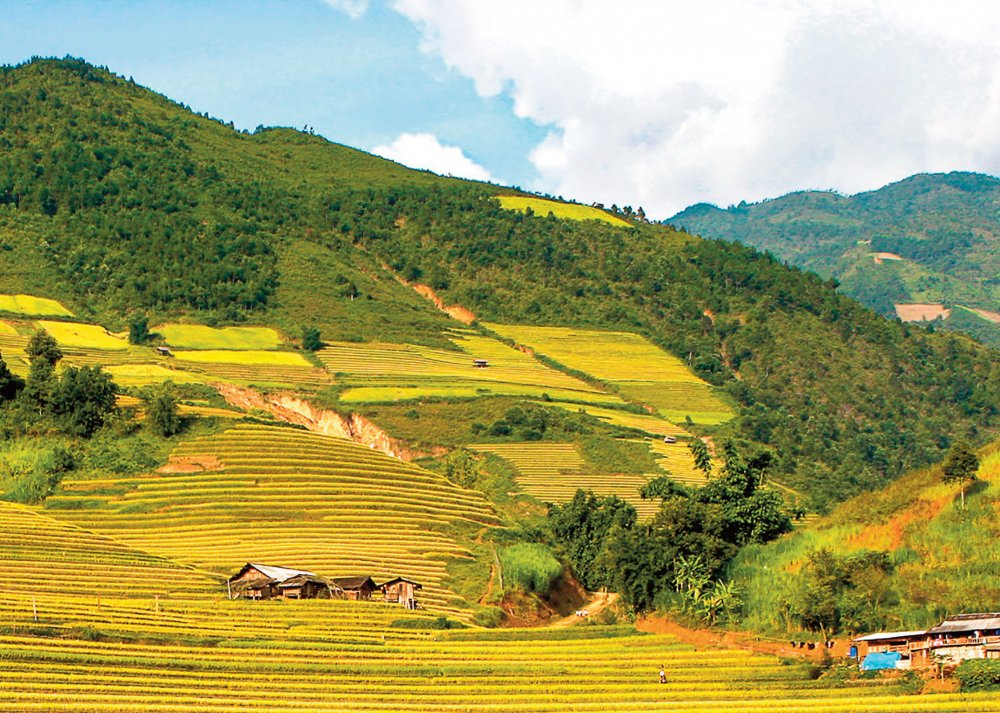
<point x="10" y="383"/>
<point x="311" y="339"/>
<point x="960" y="466"/>
<point x="583" y="527"/>
<point x="43" y="353"/>
<point x="702" y="458"/>
<point x="161" y="414"/>
<point x="138" y="330"/>
<point x="83" y="399"/>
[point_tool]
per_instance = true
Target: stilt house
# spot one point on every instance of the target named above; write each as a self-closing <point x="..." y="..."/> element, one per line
<point x="355" y="588"/>
<point x="401" y="591"/>
<point x="262" y="581"/>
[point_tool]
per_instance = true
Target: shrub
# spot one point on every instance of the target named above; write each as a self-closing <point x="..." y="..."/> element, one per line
<point x="489" y="617"/>
<point x="530" y="567"/>
<point x="978" y="674"/>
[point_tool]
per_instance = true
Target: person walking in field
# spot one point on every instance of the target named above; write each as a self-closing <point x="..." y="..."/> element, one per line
<point x="663" y="675"/>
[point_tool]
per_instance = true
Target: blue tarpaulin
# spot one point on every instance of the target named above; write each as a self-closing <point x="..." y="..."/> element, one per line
<point x="880" y="662"/>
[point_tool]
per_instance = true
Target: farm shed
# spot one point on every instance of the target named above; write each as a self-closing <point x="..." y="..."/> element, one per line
<point x="164" y="351"/>
<point x="355" y="588"/>
<point x="480" y="363"/>
<point x="401" y="591"/>
<point x="964" y="636"/>
<point x="262" y="581"/>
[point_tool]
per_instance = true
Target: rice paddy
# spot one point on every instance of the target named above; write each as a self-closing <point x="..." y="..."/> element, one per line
<point x="197" y="336"/>
<point x="32" y="306"/>
<point x="553" y="472"/>
<point x="83" y="336"/>
<point x="291" y="497"/>
<point x="387" y="372"/>
<point x="632" y="364"/>
<point x="146" y="374"/>
<point x="643" y="422"/>
<point x="567" y="211"/>
<point x="244" y="357"/>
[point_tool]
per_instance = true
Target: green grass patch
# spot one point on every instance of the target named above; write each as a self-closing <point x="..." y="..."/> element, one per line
<point x="197" y="336"/>
<point x="32" y="306"/>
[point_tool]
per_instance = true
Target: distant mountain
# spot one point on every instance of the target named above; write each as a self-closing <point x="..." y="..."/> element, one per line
<point x="122" y="204"/>
<point x="924" y="248"/>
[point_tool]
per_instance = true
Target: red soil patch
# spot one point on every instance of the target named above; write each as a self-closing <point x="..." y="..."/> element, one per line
<point x="988" y="316"/>
<point x="460" y="313"/>
<point x="921" y="312"/>
<point x="703" y="638"/>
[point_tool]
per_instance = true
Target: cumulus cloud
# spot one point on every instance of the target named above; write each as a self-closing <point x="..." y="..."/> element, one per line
<point x="352" y="8"/>
<point x="425" y="151"/>
<point x="663" y="103"/>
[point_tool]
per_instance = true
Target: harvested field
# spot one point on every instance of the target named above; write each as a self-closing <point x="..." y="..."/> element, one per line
<point x="567" y="211"/>
<point x="83" y="336"/>
<point x="921" y="312"/>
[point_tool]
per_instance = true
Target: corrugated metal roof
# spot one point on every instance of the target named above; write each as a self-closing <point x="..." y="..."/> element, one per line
<point x="967" y="622"/>
<point x="279" y="573"/>
<point x="891" y="635"/>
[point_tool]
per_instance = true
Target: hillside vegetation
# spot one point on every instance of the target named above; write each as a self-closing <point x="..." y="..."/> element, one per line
<point x="122" y="204"/>
<point x="927" y="240"/>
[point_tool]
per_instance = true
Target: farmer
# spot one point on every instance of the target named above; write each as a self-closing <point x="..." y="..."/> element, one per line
<point x="663" y="675"/>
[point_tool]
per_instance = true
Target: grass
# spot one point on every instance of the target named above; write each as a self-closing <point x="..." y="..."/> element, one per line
<point x="631" y="364"/>
<point x="568" y="211"/>
<point x="196" y="336"/>
<point x="82" y="336"/>
<point x="32" y="306"/>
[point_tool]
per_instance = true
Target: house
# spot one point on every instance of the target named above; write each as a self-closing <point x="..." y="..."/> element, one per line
<point x="889" y="649"/>
<point x="480" y="363"/>
<point x="401" y="591"/>
<point x="960" y="637"/>
<point x="262" y="581"/>
<point x="355" y="588"/>
<point x="164" y="351"/>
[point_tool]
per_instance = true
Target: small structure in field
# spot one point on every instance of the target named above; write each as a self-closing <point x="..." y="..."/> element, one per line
<point x="480" y="363"/>
<point x="262" y="581"/>
<point x="401" y="591"/>
<point x="164" y="351"/>
<point x="957" y="638"/>
<point x="355" y="588"/>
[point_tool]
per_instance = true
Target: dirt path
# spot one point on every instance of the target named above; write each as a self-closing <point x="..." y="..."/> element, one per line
<point x="597" y="603"/>
<point x="737" y="640"/>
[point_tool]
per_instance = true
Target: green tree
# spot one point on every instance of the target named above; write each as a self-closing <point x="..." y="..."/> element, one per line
<point x="10" y="383"/>
<point x="43" y="354"/>
<point x="702" y="458"/>
<point x="162" y="414"/>
<point x="83" y="399"/>
<point x="138" y="330"/>
<point x="583" y="527"/>
<point x="311" y="339"/>
<point x="960" y="466"/>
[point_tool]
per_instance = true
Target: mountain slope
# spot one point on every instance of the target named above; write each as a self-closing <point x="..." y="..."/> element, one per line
<point x="120" y="203"/>
<point x="929" y="239"/>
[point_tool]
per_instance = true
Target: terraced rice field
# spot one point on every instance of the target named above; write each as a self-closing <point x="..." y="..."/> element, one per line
<point x="32" y="306"/>
<point x="677" y="458"/>
<point x="287" y="497"/>
<point x="83" y="336"/>
<point x="145" y="374"/>
<point x="648" y="423"/>
<point x="567" y="211"/>
<point x="553" y="472"/>
<point x="197" y="336"/>
<point x="537" y="674"/>
<point x="634" y="365"/>
<point x="383" y="372"/>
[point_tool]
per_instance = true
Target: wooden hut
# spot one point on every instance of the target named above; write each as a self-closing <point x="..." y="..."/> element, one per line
<point x="355" y="588"/>
<point x="401" y="591"/>
<point x="262" y="581"/>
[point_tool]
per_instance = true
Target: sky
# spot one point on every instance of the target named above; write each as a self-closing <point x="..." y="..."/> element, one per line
<point x="652" y="103"/>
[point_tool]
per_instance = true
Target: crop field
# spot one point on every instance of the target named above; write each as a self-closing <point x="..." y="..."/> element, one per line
<point x="145" y="374"/>
<point x="249" y="357"/>
<point x="32" y="306"/>
<point x="634" y="365"/>
<point x="287" y="497"/>
<point x="383" y="372"/>
<point x="567" y="211"/>
<point x="196" y="336"/>
<point x="677" y="458"/>
<point x="613" y="670"/>
<point x="82" y="336"/>
<point x="648" y="423"/>
<point x="553" y="472"/>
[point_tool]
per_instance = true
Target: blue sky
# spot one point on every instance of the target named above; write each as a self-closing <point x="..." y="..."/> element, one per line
<point x="652" y="103"/>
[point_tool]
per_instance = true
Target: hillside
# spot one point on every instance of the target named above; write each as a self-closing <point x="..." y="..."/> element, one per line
<point x="121" y="204"/>
<point x="925" y="247"/>
<point x="899" y="559"/>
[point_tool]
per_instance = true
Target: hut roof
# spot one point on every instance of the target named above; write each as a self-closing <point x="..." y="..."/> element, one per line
<point x="261" y="583"/>
<point x="889" y="635"/>
<point x="279" y="574"/>
<point x="966" y="622"/>
<point x="349" y="583"/>
<point x="397" y="580"/>
<point x="302" y="579"/>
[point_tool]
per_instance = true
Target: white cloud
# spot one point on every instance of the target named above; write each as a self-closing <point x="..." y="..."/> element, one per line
<point x="663" y="103"/>
<point x="425" y="151"/>
<point x="351" y="8"/>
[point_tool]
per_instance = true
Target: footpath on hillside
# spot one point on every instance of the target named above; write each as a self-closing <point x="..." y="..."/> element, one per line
<point x="596" y="604"/>
<point x="739" y="640"/>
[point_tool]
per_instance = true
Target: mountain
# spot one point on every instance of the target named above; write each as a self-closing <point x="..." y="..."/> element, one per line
<point x="122" y="204"/>
<point x="925" y="248"/>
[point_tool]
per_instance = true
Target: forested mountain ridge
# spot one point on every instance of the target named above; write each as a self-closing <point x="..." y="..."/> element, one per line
<point x="121" y="203"/>
<point x="943" y="228"/>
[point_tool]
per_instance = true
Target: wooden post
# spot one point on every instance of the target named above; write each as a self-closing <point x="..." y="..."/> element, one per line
<point x="157" y="603"/>
<point x="34" y="608"/>
<point x="229" y="588"/>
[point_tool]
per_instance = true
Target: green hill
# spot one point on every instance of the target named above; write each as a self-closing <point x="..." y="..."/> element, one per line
<point x="927" y="240"/>
<point x="120" y="203"/>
